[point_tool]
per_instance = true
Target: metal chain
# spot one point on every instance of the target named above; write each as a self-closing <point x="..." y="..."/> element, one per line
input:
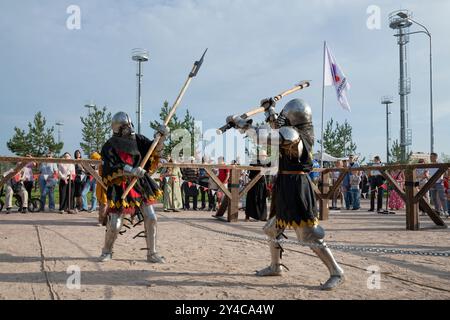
<point x="338" y="247"/>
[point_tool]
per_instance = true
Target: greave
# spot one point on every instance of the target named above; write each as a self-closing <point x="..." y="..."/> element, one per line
<point x="150" y="227"/>
<point x="114" y="225"/>
<point x="324" y="254"/>
<point x="150" y="232"/>
<point x="275" y="253"/>
<point x="315" y="235"/>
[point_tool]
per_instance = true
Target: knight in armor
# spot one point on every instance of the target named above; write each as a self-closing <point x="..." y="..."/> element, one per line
<point x="121" y="157"/>
<point x="294" y="201"/>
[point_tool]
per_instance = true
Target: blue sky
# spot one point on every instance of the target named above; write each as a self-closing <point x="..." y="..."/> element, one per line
<point x="256" y="49"/>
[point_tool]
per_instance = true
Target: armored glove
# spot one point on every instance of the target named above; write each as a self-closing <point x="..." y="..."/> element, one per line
<point x="163" y="130"/>
<point x="269" y="106"/>
<point x="136" y="172"/>
<point x="238" y="122"/>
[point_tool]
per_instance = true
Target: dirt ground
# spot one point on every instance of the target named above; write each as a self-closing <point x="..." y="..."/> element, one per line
<point x="38" y="253"/>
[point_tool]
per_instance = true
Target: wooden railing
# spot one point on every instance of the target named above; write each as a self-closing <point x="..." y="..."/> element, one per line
<point x="410" y="193"/>
<point x="324" y="191"/>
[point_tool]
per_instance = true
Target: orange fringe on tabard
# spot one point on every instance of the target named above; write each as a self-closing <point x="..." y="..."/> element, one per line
<point x="128" y="207"/>
<point x="292" y="224"/>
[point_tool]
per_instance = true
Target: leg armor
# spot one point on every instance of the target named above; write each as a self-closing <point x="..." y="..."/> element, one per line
<point x="274" y="233"/>
<point x="150" y="232"/>
<point x="315" y="235"/>
<point x="114" y="224"/>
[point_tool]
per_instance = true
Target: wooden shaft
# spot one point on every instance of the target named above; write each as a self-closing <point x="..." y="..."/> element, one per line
<point x="158" y="136"/>
<point x="276" y="98"/>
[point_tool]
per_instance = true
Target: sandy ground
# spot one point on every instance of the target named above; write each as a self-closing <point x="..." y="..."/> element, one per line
<point x="37" y="250"/>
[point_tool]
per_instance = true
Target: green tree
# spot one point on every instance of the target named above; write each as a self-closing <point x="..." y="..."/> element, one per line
<point x="338" y="141"/>
<point x="96" y="130"/>
<point x="38" y="141"/>
<point x="194" y="131"/>
<point x="396" y="154"/>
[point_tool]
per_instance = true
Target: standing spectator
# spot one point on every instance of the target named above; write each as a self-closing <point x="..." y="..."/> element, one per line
<point x="222" y="199"/>
<point x="347" y="185"/>
<point x="364" y="185"/>
<point x="395" y="202"/>
<point x="437" y="190"/>
<point x="314" y="175"/>
<point x="203" y="181"/>
<point x="212" y="189"/>
<point x="89" y="185"/>
<point x="28" y="177"/>
<point x="190" y="177"/>
<point x="355" y="180"/>
<point x="422" y="176"/>
<point x="47" y="183"/>
<point x="80" y="181"/>
<point x="338" y="193"/>
<point x="66" y="186"/>
<point x="256" y="200"/>
<point x="15" y="185"/>
<point x="447" y="191"/>
<point x="172" y="188"/>
<point x="376" y="181"/>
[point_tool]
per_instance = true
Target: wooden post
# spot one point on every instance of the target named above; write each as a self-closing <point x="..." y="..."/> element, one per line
<point x="323" y="201"/>
<point x="233" y="207"/>
<point x="412" y="207"/>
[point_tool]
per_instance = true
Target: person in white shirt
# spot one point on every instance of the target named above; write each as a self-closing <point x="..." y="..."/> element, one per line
<point x="437" y="190"/>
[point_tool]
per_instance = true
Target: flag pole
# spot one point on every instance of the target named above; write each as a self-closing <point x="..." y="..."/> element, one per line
<point x="323" y="98"/>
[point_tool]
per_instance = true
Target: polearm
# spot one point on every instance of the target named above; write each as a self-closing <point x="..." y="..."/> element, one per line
<point x="300" y="86"/>
<point x="155" y="142"/>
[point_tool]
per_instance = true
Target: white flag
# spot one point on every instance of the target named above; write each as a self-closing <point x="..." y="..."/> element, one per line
<point x="335" y="76"/>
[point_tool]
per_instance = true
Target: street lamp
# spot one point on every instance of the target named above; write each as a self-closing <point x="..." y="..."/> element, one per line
<point x="59" y="124"/>
<point x="90" y="106"/>
<point x="405" y="16"/>
<point x="387" y="100"/>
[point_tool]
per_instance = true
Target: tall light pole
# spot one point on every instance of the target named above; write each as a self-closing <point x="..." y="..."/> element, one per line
<point x="386" y="100"/>
<point x="90" y="106"/>
<point x="59" y="124"/>
<point x="139" y="55"/>
<point x="405" y="16"/>
<point x="402" y="25"/>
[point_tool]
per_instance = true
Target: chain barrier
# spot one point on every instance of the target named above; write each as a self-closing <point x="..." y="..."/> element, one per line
<point x="338" y="247"/>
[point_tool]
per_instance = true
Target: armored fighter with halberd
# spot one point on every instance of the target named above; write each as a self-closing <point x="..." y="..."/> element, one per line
<point x="294" y="199"/>
<point x="121" y="156"/>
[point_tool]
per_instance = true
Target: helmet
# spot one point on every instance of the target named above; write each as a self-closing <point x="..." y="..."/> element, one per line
<point x="295" y="112"/>
<point x="121" y="124"/>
